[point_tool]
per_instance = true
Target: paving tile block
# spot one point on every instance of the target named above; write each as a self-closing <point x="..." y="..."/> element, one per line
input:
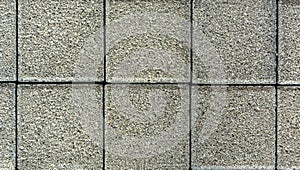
<point x="60" y="127"/>
<point x="234" y="41"/>
<point x="7" y="127"/>
<point x="289" y="128"/>
<point x="290" y="2"/>
<point x="147" y="127"/>
<point x="60" y="41"/>
<point x="148" y="41"/>
<point x="233" y="127"/>
<point x="7" y="40"/>
<point x="289" y="42"/>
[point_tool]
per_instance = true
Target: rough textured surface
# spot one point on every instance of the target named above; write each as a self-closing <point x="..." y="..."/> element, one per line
<point x="7" y="127"/>
<point x="148" y="41"/>
<point x="51" y="128"/>
<point x="7" y="39"/>
<point x="55" y="39"/>
<point x="289" y="32"/>
<point x="240" y="37"/>
<point x="147" y="127"/>
<point x="290" y="2"/>
<point x="289" y="128"/>
<point x="240" y="134"/>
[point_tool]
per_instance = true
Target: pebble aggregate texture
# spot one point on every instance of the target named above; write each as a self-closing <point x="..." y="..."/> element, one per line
<point x="7" y="40"/>
<point x="242" y="36"/>
<point x="289" y="128"/>
<point x="289" y="31"/>
<point x="148" y="124"/>
<point x="243" y="129"/>
<point x="159" y="138"/>
<point x="51" y="132"/>
<point x="52" y="35"/>
<point x="7" y="126"/>
<point x="148" y="40"/>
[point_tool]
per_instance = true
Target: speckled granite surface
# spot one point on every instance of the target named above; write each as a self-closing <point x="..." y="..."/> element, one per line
<point x="52" y="132"/>
<point x="137" y="94"/>
<point x="151" y="125"/>
<point x="241" y="37"/>
<point x="242" y="129"/>
<point x="7" y="126"/>
<point x="289" y="32"/>
<point x="53" y="35"/>
<point x="148" y="41"/>
<point x="7" y="39"/>
<point x="289" y="128"/>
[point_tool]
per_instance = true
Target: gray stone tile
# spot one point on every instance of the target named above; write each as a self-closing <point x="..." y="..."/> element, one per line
<point x="148" y="41"/>
<point x="60" y="127"/>
<point x="289" y="42"/>
<point x="60" y="41"/>
<point x="7" y="39"/>
<point x="7" y="127"/>
<point x="289" y="128"/>
<point x="290" y="2"/>
<point x="234" y="41"/>
<point x="147" y="127"/>
<point x="233" y="127"/>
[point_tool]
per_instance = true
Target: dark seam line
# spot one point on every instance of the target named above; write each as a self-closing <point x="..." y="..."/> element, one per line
<point x="16" y="126"/>
<point x="234" y="84"/>
<point x="193" y="84"/>
<point x="91" y="82"/>
<point x="104" y="39"/>
<point x="103" y="126"/>
<point x="50" y="82"/>
<point x="104" y="83"/>
<point x="148" y="83"/>
<point x="276" y="85"/>
<point x="276" y="127"/>
<point x="190" y="84"/>
<point x="145" y="83"/>
<point x="16" y="87"/>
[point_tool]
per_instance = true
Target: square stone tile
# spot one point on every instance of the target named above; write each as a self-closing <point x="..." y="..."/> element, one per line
<point x="234" y="41"/>
<point x="60" y="127"/>
<point x="7" y="40"/>
<point x="60" y="41"/>
<point x="289" y="128"/>
<point x="148" y="41"/>
<point x="289" y="41"/>
<point x="147" y="127"/>
<point x="7" y="127"/>
<point x="233" y="127"/>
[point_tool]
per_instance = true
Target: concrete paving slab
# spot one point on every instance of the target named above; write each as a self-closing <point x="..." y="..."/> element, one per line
<point x="234" y="41"/>
<point x="289" y="40"/>
<point x="148" y="41"/>
<point x="289" y="128"/>
<point x="233" y="127"/>
<point x="147" y="127"/>
<point x="7" y="127"/>
<point x="8" y="40"/>
<point x="58" y="131"/>
<point x="60" y="41"/>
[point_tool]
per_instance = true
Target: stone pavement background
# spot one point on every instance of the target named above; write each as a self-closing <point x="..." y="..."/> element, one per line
<point x="149" y="84"/>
